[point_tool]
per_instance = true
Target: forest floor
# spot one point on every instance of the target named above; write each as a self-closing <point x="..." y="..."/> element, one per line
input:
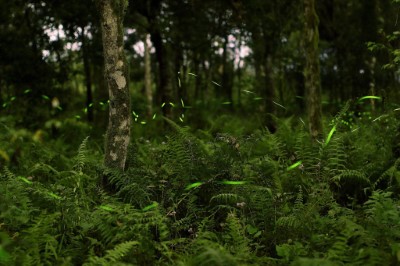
<point x="232" y="194"/>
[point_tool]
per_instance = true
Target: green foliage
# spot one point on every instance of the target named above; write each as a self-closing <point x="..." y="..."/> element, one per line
<point x="201" y="198"/>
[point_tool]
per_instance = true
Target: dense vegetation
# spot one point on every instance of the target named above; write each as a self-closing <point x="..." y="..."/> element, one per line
<point x="222" y="167"/>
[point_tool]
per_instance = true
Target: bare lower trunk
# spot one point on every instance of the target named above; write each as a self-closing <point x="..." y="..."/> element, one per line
<point x="118" y="132"/>
<point x="165" y="91"/>
<point x="312" y="70"/>
<point x="147" y="76"/>
<point x="88" y="77"/>
<point x="227" y="82"/>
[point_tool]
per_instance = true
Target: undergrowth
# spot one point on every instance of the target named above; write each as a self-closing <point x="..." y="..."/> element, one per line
<point x="207" y="198"/>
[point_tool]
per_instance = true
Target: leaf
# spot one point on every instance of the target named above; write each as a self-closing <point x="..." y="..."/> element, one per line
<point x="151" y="206"/>
<point x="216" y="83"/>
<point x="194" y="185"/>
<point x="293" y="166"/>
<point x="251" y="229"/>
<point x="46" y="97"/>
<point x="234" y="183"/>
<point x="4" y="155"/>
<point x="4" y="256"/>
<point x="369" y="97"/>
<point x="328" y="139"/>
<point x="154" y="116"/>
<point x="107" y="208"/>
<point x="226" y="103"/>
<point x="26" y="180"/>
<point x="279" y="105"/>
<point x="248" y="91"/>
<point x="53" y="195"/>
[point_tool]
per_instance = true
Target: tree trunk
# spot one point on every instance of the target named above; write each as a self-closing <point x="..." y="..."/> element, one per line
<point x="226" y="89"/>
<point x="147" y="76"/>
<point x="88" y="77"/>
<point x="258" y="55"/>
<point x="164" y="64"/>
<point x="197" y="84"/>
<point x="119" y="123"/>
<point x="312" y="70"/>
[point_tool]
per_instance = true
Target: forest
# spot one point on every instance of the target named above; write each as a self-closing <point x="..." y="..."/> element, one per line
<point x="200" y="132"/>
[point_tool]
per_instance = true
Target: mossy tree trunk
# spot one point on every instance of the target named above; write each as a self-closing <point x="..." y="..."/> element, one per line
<point x="115" y="72"/>
<point x="312" y="69"/>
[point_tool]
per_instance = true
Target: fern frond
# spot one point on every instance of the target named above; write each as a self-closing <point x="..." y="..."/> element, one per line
<point x="392" y="175"/>
<point x="7" y="173"/>
<point x="350" y="175"/>
<point x="81" y="156"/>
<point x="113" y="256"/>
<point x="226" y="198"/>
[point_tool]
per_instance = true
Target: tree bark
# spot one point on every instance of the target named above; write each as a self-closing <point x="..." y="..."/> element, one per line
<point x="226" y="89"/>
<point x="264" y="85"/>
<point x="147" y="76"/>
<point x="88" y="76"/>
<point x="115" y="72"/>
<point x="181" y="71"/>
<point x="312" y="69"/>
<point x="163" y="53"/>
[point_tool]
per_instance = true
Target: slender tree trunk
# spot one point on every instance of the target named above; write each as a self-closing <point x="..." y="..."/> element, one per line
<point x="197" y="84"/>
<point x="181" y="70"/>
<point x="208" y="77"/>
<point x="258" y="55"/>
<point x="226" y="89"/>
<point x="88" y="76"/>
<point x="239" y="81"/>
<point x="1" y="92"/>
<point x="312" y="70"/>
<point x="118" y="132"/>
<point x="269" y="90"/>
<point x="165" y="81"/>
<point x="147" y="76"/>
<point x="239" y="74"/>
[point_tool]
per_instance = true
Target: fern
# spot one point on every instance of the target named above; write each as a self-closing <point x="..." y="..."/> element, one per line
<point x="226" y="199"/>
<point x="81" y="156"/>
<point x="391" y="176"/>
<point x="350" y="175"/>
<point x="235" y="240"/>
<point x="297" y="217"/>
<point x="334" y="157"/>
<point x="183" y="155"/>
<point x="113" y="256"/>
